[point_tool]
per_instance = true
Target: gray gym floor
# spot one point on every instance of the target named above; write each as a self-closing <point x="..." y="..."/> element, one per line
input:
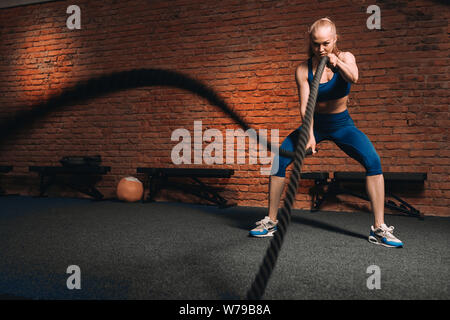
<point x="177" y="251"/>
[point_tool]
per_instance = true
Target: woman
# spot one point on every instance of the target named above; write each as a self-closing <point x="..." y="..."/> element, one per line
<point x="331" y="122"/>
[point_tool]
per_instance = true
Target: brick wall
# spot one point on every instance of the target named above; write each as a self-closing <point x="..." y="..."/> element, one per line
<point x="247" y="51"/>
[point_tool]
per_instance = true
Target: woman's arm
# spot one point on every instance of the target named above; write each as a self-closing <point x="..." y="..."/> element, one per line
<point x="346" y="64"/>
<point x="301" y="77"/>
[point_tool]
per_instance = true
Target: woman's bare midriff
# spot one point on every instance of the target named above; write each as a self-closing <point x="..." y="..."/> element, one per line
<point x="332" y="106"/>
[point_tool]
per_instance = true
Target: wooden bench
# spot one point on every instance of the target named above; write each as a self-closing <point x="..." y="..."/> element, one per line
<point x="335" y="187"/>
<point x="158" y="179"/>
<point x="83" y="178"/>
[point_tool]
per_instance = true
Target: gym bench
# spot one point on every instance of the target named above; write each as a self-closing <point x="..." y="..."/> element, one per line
<point x="158" y="179"/>
<point x="4" y="169"/>
<point x="335" y="187"/>
<point x="83" y="178"/>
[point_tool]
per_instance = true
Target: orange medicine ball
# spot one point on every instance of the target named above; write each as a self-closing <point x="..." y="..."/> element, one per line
<point x="130" y="189"/>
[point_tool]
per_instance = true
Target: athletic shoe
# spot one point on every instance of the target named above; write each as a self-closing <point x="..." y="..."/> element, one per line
<point x="384" y="236"/>
<point x="264" y="228"/>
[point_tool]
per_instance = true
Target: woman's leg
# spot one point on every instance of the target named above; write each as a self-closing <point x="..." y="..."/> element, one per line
<point x="278" y="175"/>
<point x="277" y="180"/>
<point x="375" y="190"/>
<point x="358" y="146"/>
<point x="276" y="186"/>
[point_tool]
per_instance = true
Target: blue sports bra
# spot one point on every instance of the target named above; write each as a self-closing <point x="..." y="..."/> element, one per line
<point x="336" y="88"/>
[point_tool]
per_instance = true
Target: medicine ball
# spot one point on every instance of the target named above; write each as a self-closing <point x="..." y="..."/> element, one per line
<point x="130" y="189"/>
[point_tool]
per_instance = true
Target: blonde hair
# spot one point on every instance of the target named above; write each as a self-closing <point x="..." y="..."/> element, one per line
<point x="316" y="25"/>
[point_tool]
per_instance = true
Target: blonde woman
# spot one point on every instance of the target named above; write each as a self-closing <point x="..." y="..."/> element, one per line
<point x="331" y="122"/>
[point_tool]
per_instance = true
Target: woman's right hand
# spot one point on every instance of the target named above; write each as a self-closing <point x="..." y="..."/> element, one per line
<point x="311" y="143"/>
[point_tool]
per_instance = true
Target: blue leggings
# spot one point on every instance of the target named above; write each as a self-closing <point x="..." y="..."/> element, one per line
<point x="340" y="128"/>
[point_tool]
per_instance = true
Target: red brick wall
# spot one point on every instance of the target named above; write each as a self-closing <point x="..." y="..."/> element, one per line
<point x="245" y="50"/>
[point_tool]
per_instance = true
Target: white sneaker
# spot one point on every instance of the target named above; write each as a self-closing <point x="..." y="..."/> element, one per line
<point x="384" y="236"/>
<point x="264" y="228"/>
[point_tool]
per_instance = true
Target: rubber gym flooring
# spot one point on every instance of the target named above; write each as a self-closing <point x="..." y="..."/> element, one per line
<point x="174" y="251"/>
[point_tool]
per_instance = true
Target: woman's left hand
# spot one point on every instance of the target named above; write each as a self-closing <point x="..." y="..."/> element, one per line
<point x="333" y="60"/>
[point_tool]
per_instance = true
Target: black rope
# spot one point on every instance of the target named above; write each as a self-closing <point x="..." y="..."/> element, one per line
<point x="262" y="278"/>
<point x="125" y="80"/>
<point x="119" y="81"/>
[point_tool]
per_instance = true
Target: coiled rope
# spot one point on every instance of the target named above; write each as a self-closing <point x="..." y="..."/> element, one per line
<point x="262" y="278"/>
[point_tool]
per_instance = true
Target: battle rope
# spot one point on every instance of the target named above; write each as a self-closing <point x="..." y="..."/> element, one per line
<point x="118" y="81"/>
<point x="259" y="284"/>
<point x="131" y="79"/>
